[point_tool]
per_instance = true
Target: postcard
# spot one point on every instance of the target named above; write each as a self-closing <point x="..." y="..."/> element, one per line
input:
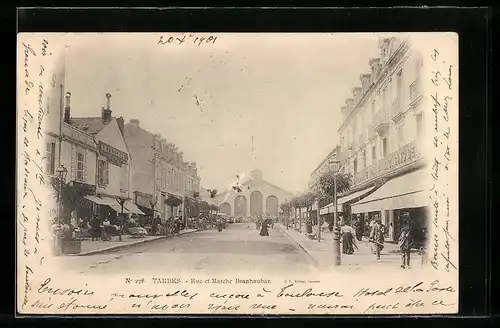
<point x="237" y="173"/>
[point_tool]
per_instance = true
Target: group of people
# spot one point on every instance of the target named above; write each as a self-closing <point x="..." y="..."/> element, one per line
<point x="350" y="234"/>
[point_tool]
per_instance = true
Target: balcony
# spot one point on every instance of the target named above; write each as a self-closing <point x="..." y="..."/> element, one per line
<point x="381" y="122"/>
<point x="404" y="156"/>
<point x="415" y="91"/>
<point x="396" y="109"/>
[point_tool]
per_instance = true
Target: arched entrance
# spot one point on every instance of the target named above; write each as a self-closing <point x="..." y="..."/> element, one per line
<point x="225" y="208"/>
<point x="272" y="205"/>
<point x="240" y="206"/>
<point x="256" y="203"/>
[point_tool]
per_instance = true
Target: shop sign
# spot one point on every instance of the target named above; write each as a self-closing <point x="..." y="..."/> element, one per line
<point x="113" y="155"/>
<point x="404" y="156"/>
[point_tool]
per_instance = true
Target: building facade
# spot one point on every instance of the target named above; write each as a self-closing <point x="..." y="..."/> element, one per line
<point x="94" y="153"/>
<point x="163" y="181"/>
<point x="322" y="168"/>
<point x="382" y="142"/>
<point x="257" y="196"/>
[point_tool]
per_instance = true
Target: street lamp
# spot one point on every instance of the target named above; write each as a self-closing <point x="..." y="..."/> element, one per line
<point x="121" y="200"/>
<point x="62" y="172"/>
<point x="336" y="231"/>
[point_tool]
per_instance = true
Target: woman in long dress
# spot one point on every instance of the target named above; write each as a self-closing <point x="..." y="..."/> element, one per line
<point x="347" y="239"/>
<point x="263" y="230"/>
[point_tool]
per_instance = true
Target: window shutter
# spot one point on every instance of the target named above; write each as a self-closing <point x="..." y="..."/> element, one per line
<point x="85" y="165"/>
<point x="73" y="162"/>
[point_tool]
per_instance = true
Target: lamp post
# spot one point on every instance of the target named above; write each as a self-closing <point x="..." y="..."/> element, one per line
<point x="121" y="200"/>
<point x="336" y="228"/>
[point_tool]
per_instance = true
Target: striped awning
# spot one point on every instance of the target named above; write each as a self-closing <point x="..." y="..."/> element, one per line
<point x="330" y="208"/>
<point x="406" y="191"/>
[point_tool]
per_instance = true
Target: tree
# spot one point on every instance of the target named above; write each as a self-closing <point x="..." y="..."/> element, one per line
<point x="327" y="182"/>
<point x="71" y="196"/>
<point x="196" y="194"/>
<point x="285" y="207"/>
<point x="308" y="199"/>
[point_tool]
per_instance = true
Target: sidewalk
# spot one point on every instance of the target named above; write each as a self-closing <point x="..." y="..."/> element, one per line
<point x="321" y="253"/>
<point x="90" y="247"/>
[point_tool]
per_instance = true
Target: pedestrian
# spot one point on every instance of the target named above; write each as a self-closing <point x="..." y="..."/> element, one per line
<point x="405" y="242"/>
<point x="370" y="226"/>
<point x="95" y="227"/>
<point x="347" y="239"/>
<point x="105" y="226"/>
<point x="177" y="226"/>
<point x="309" y="227"/>
<point x="264" y="231"/>
<point x="377" y="237"/>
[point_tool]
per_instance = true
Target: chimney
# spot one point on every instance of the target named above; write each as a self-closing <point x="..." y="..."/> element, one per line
<point x="67" y="108"/>
<point x="365" y="82"/>
<point x="357" y="93"/>
<point x="106" y="112"/>
<point x="134" y="121"/>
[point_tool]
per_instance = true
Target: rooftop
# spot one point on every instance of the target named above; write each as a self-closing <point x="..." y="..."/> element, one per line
<point x="91" y="125"/>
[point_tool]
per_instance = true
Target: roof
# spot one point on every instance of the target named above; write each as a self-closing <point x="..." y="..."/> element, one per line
<point x="330" y="154"/>
<point x="91" y="125"/>
<point x="249" y="181"/>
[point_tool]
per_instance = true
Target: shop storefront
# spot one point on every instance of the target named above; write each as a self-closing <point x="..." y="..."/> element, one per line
<point x="402" y="195"/>
<point x="344" y="204"/>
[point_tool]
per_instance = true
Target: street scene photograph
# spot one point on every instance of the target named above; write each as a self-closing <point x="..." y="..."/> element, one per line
<point x="275" y="153"/>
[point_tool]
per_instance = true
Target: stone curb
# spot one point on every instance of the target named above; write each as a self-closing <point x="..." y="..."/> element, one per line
<point x="313" y="260"/>
<point x="117" y="247"/>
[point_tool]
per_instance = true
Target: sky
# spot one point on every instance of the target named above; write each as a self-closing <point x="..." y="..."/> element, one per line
<point x="246" y="101"/>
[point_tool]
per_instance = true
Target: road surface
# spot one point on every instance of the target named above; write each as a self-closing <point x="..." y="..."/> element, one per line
<point x="237" y="248"/>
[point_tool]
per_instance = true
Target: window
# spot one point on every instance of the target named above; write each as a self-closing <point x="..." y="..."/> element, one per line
<point x="163" y="178"/>
<point x="80" y="166"/>
<point x="374" y="154"/>
<point x="363" y="157"/>
<point x="355" y="165"/>
<point x="50" y="160"/>
<point x="401" y="137"/>
<point x="384" y="147"/>
<point x="420" y="124"/>
<point x="103" y="173"/>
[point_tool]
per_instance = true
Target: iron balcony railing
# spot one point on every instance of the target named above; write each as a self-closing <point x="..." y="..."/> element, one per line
<point x="402" y="157"/>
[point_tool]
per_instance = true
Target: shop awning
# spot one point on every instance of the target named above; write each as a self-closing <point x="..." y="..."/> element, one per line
<point x="406" y="191"/>
<point x="96" y="200"/>
<point x="132" y="208"/>
<point x="344" y="200"/>
<point x="113" y="203"/>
